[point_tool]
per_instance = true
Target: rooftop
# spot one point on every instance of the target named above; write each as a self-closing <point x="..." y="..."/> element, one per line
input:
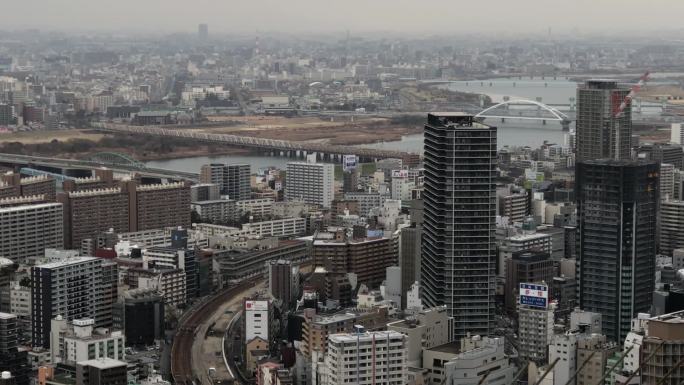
<point x="353" y="337"/>
<point x="66" y="262"/>
<point x="453" y="347"/>
<point x="7" y="315"/>
<point x="24" y="202"/>
<point x="103" y="191"/>
<point x="103" y="363"/>
<point x="528" y="237"/>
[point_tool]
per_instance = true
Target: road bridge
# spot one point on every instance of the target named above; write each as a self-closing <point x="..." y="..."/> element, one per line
<point x="66" y="164"/>
<point x="301" y="148"/>
<point x="554" y="113"/>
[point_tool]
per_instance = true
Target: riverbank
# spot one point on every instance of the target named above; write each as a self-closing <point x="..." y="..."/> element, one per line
<point x="339" y="130"/>
<point x="83" y="143"/>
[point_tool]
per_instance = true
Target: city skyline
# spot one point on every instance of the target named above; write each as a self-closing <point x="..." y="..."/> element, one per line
<point x="303" y="16"/>
<point x="331" y="206"/>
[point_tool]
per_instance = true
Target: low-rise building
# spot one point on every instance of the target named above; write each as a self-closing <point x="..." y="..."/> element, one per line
<point x="78" y="340"/>
<point x="425" y="329"/>
<point x="480" y="356"/>
<point x="216" y="211"/>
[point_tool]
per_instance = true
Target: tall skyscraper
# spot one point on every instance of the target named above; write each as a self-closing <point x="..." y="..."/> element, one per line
<point x="459" y="257"/>
<point x="616" y="214"/>
<point x="602" y="133"/>
<point x="203" y="32"/>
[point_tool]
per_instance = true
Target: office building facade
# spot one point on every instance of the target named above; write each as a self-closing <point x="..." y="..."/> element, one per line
<point x="616" y="206"/>
<point x="526" y="266"/>
<point x="459" y="254"/>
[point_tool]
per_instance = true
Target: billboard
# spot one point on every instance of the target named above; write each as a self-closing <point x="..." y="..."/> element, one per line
<point x="535" y="295"/>
<point x="400" y="173"/>
<point x="349" y="162"/>
<point x="256" y="305"/>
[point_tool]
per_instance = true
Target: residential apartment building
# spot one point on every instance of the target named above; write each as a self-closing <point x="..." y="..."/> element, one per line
<point x="204" y="192"/>
<point x="130" y="207"/>
<point x="316" y="328"/>
<point x="75" y="288"/>
<point x="26" y="230"/>
<point x="240" y="264"/>
<point x="310" y="183"/>
<point x="367" y="201"/>
<point x="365" y="357"/>
<point x="158" y="205"/>
<point x="217" y="211"/>
<point x="671" y="226"/>
<point x="261" y="208"/>
<point x="88" y="212"/>
<point x="233" y="179"/>
<point x="458" y="264"/>
<point x="535" y="332"/>
<point x="366" y="257"/>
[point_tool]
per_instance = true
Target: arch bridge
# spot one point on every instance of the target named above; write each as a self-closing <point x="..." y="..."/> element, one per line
<point x="116" y="159"/>
<point x="556" y="115"/>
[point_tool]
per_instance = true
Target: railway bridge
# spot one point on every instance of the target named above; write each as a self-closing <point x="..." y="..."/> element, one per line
<point x="286" y="146"/>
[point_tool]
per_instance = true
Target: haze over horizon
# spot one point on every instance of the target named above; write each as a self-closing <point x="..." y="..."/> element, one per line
<point x="395" y="16"/>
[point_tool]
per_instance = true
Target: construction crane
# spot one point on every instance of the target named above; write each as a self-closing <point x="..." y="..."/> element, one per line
<point x="628" y="99"/>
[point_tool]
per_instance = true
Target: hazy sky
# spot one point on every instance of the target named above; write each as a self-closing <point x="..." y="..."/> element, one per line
<point x="300" y="16"/>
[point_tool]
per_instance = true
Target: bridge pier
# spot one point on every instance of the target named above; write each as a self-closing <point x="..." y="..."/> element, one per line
<point x="565" y="124"/>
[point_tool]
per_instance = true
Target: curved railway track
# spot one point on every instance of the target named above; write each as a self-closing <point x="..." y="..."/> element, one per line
<point x="181" y="350"/>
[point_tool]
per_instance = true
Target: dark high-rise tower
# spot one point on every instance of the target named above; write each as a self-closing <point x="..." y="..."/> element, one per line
<point x="458" y="261"/>
<point x="602" y="133"/>
<point x="616" y="214"/>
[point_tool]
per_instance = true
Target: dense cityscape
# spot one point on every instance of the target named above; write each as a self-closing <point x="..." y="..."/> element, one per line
<point x="273" y="209"/>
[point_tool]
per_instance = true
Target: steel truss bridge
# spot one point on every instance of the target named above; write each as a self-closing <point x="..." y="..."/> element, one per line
<point x="259" y="143"/>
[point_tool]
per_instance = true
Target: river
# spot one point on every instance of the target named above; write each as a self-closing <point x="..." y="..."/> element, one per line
<point x="511" y="132"/>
